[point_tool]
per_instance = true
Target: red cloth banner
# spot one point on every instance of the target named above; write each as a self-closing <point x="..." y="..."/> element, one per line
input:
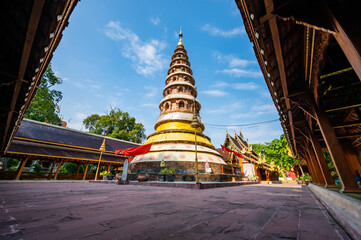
<point x="230" y="150"/>
<point x="238" y="154"/>
<point x="226" y="149"/>
<point x="135" y="151"/>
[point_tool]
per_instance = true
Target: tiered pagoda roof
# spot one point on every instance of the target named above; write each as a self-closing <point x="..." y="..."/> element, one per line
<point x="174" y="138"/>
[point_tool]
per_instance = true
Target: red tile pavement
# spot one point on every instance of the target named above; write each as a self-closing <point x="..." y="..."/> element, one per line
<point x="109" y="211"/>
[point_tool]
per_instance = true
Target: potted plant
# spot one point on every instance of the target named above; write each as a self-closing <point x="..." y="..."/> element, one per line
<point x="104" y="174"/>
<point x="170" y="175"/>
<point x="254" y="178"/>
<point x="162" y="175"/>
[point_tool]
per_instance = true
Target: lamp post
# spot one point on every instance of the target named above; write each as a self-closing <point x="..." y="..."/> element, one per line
<point x="195" y="125"/>
<point x="101" y="149"/>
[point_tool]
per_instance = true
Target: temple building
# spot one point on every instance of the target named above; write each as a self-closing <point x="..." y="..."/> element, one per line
<point x="174" y="139"/>
<point x="252" y="164"/>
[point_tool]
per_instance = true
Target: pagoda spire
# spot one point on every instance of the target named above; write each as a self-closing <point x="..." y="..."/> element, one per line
<point x="180" y="37"/>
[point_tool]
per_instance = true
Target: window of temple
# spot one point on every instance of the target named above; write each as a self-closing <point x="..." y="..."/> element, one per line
<point x="181" y="104"/>
<point x="166" y="107"/>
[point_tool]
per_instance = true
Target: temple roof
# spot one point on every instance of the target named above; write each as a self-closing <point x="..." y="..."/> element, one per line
<point x="44" y="140"/>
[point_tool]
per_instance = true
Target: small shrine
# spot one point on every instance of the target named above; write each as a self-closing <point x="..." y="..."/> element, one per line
<point x="250" y="165"/>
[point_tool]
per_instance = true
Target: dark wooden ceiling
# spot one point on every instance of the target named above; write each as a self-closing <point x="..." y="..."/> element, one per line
<point x="30" y="32"/>
<point x="301" y="60"/>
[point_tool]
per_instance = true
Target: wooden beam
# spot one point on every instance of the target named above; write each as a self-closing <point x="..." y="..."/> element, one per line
<point x="294" y="94"/>
<point x="281" y="67"/>
<point x="345" y="124"/>
<point x="21" y="167"/>
<point x="345" y="43"/>
<point x="28" y="44"/>
<point x="351" y="135"/>
<point x="344" y="107"/>
<point x="58" y="169"/>
<point x="85" y="171"/>
<point x="51" y="170"/>
<point x="77" y="172"/>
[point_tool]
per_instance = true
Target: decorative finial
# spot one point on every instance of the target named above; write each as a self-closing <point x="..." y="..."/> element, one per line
<point x="180" y="37"/>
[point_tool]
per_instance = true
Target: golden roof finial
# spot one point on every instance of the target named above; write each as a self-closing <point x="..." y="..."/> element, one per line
<point x="180" y="37"/>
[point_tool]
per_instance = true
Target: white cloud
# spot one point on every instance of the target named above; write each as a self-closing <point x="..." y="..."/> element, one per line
<point x="216" y="111"/>
<point x="152" y="105"/>
<point x="151" y="91"/>
<point x="237" y="62"/>
<point x="245" y="86"/>
<point x="92" y="84"/>
<point x="80" y="116"/>
<point x="86" y="84"/>
<point x="215" y="93"/>
<point x="155" y="20"/>
<point x="220" y="84"/>
<point x="146" y="56"/>
<point x="77" y="84"/>
<point x="256" y="111"/>
<point x="214" y="31"/>
<point x="265" y="108"/>
<point x="261" y="134"/>
<point x="232" y="60"/>
<point x="236" y="66"/>
<point x="236" y="72"/>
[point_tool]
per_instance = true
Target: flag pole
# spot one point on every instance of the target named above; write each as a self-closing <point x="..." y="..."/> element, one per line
<point x="101" y="149"/>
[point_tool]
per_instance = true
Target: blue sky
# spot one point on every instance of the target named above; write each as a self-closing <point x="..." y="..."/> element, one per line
<point x="117" y="53"/>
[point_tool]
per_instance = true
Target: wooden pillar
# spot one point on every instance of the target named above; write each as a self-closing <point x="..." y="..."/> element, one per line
<point x="317" y="167"/>
<point x="77" y="172"/>
<point x="321" y="160"/>
<point x="352" y="158"/>
<point x="338" y="156"/>
<point x="85" y="171"/>
<point x="21" y="167"/>
<point x="300" y="167"/>
<point x="51" y="170"/>
<point x="311" y="168"/>
<point x="108" y="169"/>
<point x="58" y="169"/>
<point x="312" y="171"/>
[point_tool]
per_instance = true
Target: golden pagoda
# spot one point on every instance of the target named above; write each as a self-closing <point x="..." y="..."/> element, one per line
<point x="174" y="139"/>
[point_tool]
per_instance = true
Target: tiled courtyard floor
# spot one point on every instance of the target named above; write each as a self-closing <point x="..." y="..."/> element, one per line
<point x="109" y="211"/>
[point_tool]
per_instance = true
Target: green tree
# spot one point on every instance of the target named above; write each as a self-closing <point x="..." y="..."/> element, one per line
<point x="116" y="124"/>
<point x="44" y="105"/>
<point x="36" y="167"/>
<point x="12" y="164"/>
<point x="69" y="167"/>
<point x="330" y="165"/>
<point x="276" y="151"/>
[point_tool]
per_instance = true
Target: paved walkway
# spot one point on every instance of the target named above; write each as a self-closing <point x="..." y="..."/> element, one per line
<point x="108" y="211"/>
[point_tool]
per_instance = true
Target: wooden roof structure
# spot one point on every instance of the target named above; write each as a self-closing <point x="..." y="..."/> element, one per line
<point x="309" y="54"/>
<point x="48" y="142"/>
<point x="239" y="144"/>
<point x="30" y="32"/>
